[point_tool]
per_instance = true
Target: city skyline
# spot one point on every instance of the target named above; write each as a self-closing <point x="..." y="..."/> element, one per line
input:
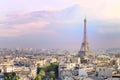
<point x="59" y="24"/>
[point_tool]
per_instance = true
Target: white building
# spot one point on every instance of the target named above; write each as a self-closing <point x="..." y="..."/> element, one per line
<point x="8" y="69"/>
<point x="113" y="79"/>
<point x="104" y="72"/>
<point x="118" y="64"/>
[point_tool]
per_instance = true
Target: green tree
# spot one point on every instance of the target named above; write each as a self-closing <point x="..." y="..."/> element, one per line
<point x="55" y="68"/>
<point x="42" y="73"/>
<point x="14" y="74"/>
<point x="51" y="79"/>
<point x="38" y="77"/>
<point x="38" y="70"/>
<point x="52" y="74"/>
<point x="47" y="67"/>
<point x="10" y="76"/>
<point x="17" y="77"/>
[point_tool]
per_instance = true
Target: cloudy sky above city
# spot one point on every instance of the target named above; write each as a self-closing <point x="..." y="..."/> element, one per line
<point x="59" y="23"/>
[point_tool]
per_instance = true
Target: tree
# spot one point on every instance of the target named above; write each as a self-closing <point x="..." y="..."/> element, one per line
<point x="42" y="73"/>
<point x="38" y="70"/>
<point x="38" y="77"/>
<point x="10" y="76"/>
<point x="50" y="71"/>
<point x="55" y="68"/>
<point x="51" y="79"/>
<point x="17" y="77"/>
<point x="13" y="74"/>
<point x="52" y="74"/>
<point x="47" y="67"/>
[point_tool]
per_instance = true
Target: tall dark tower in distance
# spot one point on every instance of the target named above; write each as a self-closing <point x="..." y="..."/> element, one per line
<point x="85" y="51"/>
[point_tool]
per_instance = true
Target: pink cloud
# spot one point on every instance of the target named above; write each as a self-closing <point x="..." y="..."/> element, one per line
<point x="21" y="29"/>
<point x="35" y="22"/>
<point x="31" y="27"/>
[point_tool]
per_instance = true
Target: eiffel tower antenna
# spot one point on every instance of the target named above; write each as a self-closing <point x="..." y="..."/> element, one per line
<point x="84" y="51"/>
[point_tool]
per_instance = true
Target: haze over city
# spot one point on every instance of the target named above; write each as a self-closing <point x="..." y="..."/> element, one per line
<point x="59" y="23"/>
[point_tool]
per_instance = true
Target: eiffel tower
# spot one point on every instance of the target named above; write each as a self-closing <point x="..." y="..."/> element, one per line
<point x="85" y="50"/>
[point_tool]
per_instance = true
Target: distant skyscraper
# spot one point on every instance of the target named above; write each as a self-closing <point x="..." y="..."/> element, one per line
<point x="84" y="51"/>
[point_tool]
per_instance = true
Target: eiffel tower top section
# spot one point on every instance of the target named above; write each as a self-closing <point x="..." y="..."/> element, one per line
<point x="85" y="50"/>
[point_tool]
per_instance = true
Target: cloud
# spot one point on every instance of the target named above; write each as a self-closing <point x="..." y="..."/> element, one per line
<point x="99" y="9"/>
<point x="39" y="21"/>
<point x="36" y="22"/>
<point x="21" y="29"/>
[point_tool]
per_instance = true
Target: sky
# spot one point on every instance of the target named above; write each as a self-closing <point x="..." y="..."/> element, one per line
<point x="59" y="23"/>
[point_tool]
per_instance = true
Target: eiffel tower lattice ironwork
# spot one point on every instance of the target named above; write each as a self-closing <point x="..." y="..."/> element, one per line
<point x="85" y="50"/>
